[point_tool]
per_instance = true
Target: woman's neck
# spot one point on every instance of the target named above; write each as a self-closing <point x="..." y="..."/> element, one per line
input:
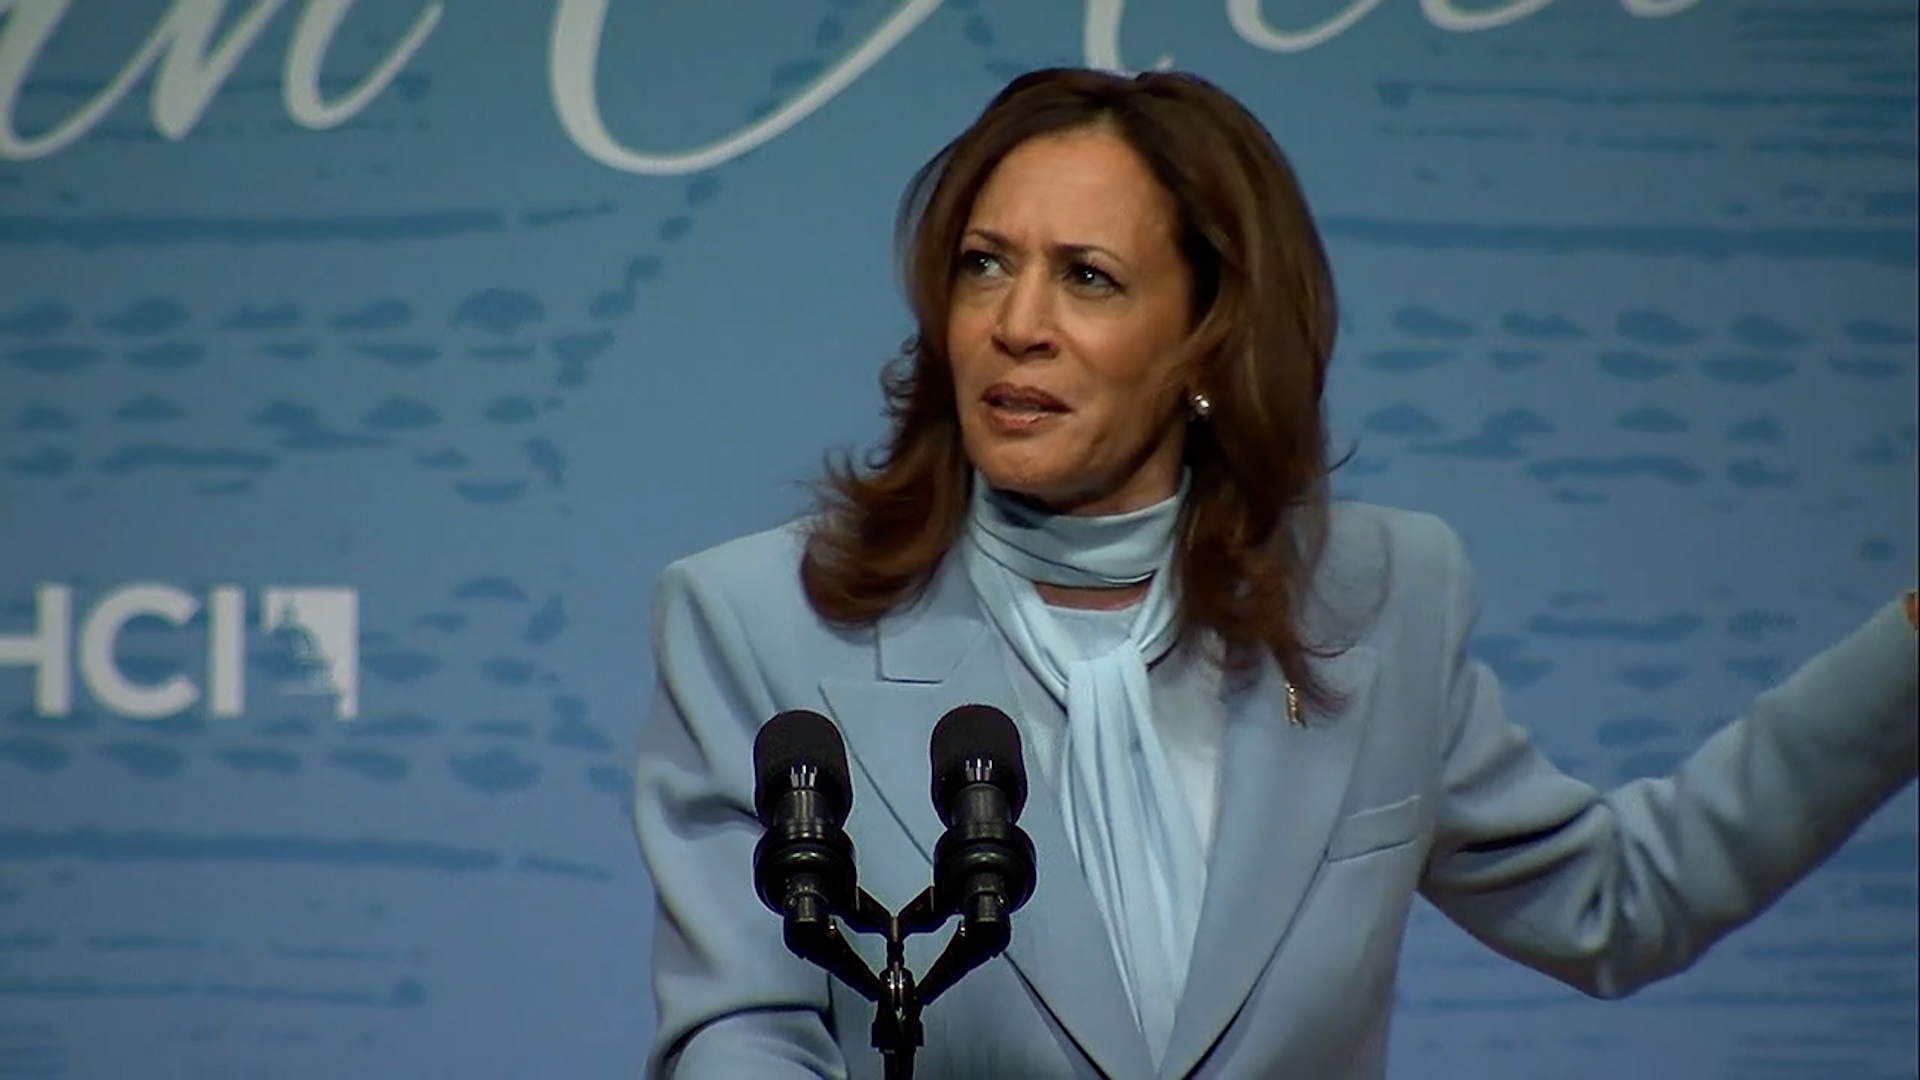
<point x="1092" y="599"/>
<point x="1094" y="562"/>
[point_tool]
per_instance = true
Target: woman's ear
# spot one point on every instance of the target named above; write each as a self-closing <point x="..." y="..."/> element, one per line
<point x="1199" y="405"/>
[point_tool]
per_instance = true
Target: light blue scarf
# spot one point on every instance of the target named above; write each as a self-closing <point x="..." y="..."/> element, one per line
<point x="1129" y="823"/>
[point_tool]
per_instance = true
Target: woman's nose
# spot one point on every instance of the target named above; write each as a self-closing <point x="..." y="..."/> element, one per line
<point x="1024" y="326"/>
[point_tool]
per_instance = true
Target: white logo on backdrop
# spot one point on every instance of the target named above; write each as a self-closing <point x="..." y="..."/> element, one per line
<point x="189" y="63"/>
<point x="318" y="630"/>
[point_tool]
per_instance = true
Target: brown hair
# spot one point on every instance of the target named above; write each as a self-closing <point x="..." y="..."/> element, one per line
<point x="1264" y="321"/>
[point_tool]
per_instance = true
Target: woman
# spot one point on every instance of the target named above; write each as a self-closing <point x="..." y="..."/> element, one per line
<point x="1252" y="720"/>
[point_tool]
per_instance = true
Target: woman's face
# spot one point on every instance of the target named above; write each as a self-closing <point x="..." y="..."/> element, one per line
<point x="1069" y="305"/>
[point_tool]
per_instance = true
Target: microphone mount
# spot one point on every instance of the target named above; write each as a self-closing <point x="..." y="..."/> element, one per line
<point x="983" y="864"/>
<point x="811" y="934"/>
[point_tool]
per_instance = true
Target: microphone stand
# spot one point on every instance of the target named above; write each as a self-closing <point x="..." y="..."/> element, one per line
<point x="810" y="933"/>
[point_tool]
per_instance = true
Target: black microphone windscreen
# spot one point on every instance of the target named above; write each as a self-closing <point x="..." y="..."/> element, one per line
<point x="800" y="737"/>
<point x="975" y="732"/>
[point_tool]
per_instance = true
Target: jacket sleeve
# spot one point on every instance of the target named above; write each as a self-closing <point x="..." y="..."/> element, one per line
<point x="1609" y="892"/>
<point x="731" y="1000"/>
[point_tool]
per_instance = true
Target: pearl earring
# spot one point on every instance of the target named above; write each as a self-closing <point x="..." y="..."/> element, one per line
<point x="1202" y="405"/>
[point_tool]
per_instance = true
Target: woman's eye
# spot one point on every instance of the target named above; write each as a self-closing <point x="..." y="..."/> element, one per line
<point x="1085" y="276"/>
<point x="979" y="263"/>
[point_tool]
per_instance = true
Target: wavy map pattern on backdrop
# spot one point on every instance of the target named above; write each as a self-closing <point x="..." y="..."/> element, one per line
<point x="399" y="410"/>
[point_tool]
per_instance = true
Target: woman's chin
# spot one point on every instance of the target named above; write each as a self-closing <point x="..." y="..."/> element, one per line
<point x="1059" y="492"/>
<point x="1026" y="479"/>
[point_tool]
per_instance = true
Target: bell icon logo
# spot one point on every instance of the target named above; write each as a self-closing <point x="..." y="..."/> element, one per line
<point x="319" y="628"/>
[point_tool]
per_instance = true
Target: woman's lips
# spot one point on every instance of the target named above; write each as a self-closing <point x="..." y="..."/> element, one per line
<point x="1018" y="408"/>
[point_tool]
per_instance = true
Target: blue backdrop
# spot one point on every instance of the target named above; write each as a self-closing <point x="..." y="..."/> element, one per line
<point x="360" y="366"/>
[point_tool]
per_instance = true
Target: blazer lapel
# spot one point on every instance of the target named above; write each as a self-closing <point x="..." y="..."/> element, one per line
<point x="1281" y="789"/>
<point x="931" y="658"/>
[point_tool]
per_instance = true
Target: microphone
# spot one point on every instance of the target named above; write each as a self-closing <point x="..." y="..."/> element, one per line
<point x="983" y="866"/>
<point x="803" y="870"/>
<point x="803" y="865"/>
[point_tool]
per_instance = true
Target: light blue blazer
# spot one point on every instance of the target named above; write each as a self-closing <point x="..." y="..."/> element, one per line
<point x="1326" y="832"/>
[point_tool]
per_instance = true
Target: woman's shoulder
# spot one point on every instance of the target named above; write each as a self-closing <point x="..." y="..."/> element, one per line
<point x="1386" y="566"/>
<point x="1391" y="541"/>
<point x="746" y="590"/>
<point x="761" y="566"/>
<point x="1406" y="533"/>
